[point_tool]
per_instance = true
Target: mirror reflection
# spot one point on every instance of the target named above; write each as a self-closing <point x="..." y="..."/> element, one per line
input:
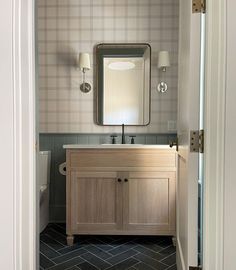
<point x="123" y="83"/>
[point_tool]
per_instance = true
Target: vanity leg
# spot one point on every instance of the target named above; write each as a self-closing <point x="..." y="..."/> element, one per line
<point x="70" y="240"/>
<point x="174" y="241"/>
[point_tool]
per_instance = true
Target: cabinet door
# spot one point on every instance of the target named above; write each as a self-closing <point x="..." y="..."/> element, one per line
<point x="95" y="205"/>
<point x="149" y="203"/>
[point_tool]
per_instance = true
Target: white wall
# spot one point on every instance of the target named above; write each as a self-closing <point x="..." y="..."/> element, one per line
<point x="230" y="143"/>
<point x="6" y="141"/>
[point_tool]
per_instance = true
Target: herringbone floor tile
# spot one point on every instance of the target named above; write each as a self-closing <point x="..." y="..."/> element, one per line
<point x="104" y="252"/>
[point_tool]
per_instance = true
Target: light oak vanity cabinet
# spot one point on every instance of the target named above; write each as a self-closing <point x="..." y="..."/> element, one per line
<point x="129" y="191"/>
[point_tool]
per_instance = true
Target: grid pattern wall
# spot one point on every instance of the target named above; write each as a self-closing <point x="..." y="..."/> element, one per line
<point x="67" y="27"/>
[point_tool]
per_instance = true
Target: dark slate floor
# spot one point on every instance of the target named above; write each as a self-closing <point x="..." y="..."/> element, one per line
<point x="104" y="252"/>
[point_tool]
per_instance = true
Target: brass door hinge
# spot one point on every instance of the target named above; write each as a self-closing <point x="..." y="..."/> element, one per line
<point x="197" y="141"/>
<point x="199" y="6"/>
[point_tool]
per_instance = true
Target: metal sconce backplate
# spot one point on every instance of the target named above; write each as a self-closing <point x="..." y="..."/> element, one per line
<point x="85" y="87"/>
<point x="162" y="87"/>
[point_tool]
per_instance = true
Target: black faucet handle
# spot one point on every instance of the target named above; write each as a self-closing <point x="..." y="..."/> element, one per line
<point x="113" y="138"/>
<point x="132" y="138"/>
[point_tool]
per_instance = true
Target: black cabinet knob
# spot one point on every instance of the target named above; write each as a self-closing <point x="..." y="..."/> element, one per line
<point x="119" y="180"/>
<point x="126" y="180"/>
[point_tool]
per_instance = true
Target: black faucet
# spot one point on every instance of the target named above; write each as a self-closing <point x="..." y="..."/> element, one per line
<point x="123" y="134"/>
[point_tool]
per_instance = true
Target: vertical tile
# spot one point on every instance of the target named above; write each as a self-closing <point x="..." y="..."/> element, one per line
<point x="140" y="139"/>
<point x="94" y="139"/>
<point x="150" y="139"/>
<point x="83" y="139"/>
<point x="60" y="154"/>
<point x="162" y="139"/>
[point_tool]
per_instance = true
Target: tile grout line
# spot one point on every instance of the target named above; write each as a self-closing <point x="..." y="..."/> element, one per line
<point x="47" y="258"/>
<point x="127" y="259"/>
<point x="70" y="253"/>
<point x="97" y="257"/>
<point x="49" y="247"/>
<point x="154" y="259"/>
<point x="147" y="265"/>
<point x="68" y="248"/>
<point x="48" y="235"/>
<point x="88" y="263"/>
<point x="120" y="246"/>
<point x="168" y="256"/>
<point x="66" y="261"/>
<point x="102" y="250"/>
<point x="124" y="252"/>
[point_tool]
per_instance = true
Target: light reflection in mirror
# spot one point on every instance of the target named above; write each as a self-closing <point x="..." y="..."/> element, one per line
<point x="121" y="65"/>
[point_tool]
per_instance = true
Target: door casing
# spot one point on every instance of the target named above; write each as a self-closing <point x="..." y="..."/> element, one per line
<point x="24" y="103"/>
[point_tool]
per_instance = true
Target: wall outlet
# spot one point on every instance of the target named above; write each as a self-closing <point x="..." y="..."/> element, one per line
<point x="172" y="125"/>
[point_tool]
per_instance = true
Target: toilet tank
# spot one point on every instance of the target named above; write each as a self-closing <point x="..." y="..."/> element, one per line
<point x="44" y="167"/>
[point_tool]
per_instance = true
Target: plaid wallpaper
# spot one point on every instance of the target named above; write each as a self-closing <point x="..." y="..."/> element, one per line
<point x="67" y="27"/>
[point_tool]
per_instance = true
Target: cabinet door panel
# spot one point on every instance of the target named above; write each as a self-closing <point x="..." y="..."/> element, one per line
<point x="149" y="203"/>
<point x="94" y="202"/>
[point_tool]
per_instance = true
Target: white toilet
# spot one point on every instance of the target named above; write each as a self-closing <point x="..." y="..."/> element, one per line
<point x="44" y="182"/>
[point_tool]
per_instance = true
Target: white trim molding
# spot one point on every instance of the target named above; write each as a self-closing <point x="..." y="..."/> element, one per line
<point x="7" y="258"/>
<point x="214" y="135"/>
<point x="230" y="143"/>
<point x="24" y="135"/>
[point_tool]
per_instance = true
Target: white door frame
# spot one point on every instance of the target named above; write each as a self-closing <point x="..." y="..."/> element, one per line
<point x="214" y="135"/>
<point x="23" y="58"/>
<point x="25" y="139"/>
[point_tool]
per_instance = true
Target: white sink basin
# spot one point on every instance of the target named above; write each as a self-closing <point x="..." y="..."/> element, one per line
<point x="121" y="146"/>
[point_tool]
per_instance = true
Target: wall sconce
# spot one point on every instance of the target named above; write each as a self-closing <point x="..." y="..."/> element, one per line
<point x="163" y="63"/>
<point x="83" y="62"/>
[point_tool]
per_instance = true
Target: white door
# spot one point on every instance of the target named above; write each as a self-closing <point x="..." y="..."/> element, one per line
<point x="188" y="119"/>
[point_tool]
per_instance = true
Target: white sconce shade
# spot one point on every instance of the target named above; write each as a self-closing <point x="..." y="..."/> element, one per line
<point x="163" y="63"/>
<point x="83" y="61"/>
<point x="163" y="60"/>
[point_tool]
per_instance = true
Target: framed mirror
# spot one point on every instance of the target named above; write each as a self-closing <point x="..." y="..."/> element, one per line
<point x="123" y="73"/>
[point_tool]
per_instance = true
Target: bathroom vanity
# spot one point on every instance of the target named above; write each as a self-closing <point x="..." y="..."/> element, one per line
<point x="120" y="189"/>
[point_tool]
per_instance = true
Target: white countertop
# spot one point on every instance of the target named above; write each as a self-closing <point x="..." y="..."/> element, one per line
<point x="115" y="146"/>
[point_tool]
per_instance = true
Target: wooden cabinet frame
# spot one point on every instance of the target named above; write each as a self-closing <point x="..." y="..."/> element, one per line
<point x="105" y="192"/>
